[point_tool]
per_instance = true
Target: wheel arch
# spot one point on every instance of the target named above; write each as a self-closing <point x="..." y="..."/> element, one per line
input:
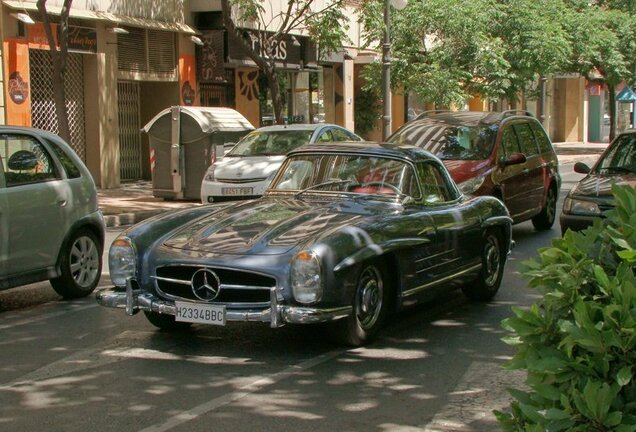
<point x="91" y="225"/>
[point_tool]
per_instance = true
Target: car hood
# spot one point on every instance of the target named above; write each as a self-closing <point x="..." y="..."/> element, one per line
<point x="268" y="226"/>
<point x="462" y="170"/>
<point x="598" y="186"/>
<point x="251" y="167"/>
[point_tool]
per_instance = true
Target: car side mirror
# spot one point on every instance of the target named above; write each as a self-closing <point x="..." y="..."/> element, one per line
<point x="514" y="159"/>
<point x="581" y="168"/>
<point x="22" y="160"/>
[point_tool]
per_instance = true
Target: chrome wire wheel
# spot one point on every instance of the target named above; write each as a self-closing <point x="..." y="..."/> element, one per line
<point x="84" y="261"/>
<point x="369" y="297"/>
<point x="492" y="260"/>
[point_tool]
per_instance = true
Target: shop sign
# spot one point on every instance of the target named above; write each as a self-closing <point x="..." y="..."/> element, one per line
<point x="80" y="39"/>
<point x="17" y="88"/>
<point x="291" y="51"/>
<point x="211" y="57"/>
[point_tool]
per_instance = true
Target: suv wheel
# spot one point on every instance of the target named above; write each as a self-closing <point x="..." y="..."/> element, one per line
<point x="545" y="219"/>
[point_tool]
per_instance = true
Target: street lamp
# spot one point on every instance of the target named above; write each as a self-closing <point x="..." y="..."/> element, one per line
<point x="386" y="65"/>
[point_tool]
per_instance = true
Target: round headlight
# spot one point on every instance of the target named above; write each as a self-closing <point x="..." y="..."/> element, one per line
<point x="121" y="261"/>
<point x="305" y="275"/>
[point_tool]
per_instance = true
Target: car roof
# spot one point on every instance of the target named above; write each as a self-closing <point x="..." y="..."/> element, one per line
<point x="402" y="151"/>
<point x="295" y="127"/>
<point x="467" y="118"/>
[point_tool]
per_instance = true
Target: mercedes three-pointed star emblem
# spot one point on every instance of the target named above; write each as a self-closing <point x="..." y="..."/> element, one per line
<point x="206" y="285"/>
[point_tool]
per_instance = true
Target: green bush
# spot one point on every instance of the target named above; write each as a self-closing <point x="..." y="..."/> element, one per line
<point x="578" y="341"/>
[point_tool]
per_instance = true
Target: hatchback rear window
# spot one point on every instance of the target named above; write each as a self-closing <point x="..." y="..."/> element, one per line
<point x="449" y="142"/>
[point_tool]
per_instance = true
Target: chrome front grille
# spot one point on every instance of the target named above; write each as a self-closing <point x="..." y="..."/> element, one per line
<point x="237" y="289"/>
<point x="241" y="180"/>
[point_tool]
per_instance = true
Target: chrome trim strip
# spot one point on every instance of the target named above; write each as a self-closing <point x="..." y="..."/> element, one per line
<point x="165" y="279"/>
<point x="222" y="286"/>
<point x="437" y="282"/>
<point x="433" y="256"/>
<point x="277" y="314"/>
<point x="240" y="181"/>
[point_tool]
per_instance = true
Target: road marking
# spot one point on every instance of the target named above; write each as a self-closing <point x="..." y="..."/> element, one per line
<point x="258" y="383"/>
<point x="471" y="401"/>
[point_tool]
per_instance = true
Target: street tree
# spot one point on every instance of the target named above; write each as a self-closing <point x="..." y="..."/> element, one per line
<point x="323" y="21"/>
<point x="603" y="47"/>
<point x="447" y="51"/>
<point x="59" y="54"/>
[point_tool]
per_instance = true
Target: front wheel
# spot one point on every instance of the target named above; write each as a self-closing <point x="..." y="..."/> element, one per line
<point x="493" y="259"/>
<point x="80" y="265"/>
<point x="165" y="322"/>
<point x="544" y="220"/>
<point x="369" y="307"/>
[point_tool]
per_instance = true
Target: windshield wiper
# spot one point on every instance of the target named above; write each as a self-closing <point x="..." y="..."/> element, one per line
<point x="619" y="169"/>
<point x="325" y="183"/>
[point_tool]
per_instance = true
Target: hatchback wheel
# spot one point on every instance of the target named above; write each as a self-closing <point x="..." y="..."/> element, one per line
<point x="80" y="265"/>
<point x="545" y="219"/>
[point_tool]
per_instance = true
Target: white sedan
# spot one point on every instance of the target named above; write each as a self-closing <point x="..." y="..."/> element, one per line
<point x="247" y="169"/>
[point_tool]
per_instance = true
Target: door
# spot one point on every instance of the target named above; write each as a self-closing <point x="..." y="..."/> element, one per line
<point x="511" y="177"/>
<point x="130" y="154"/>
<point x="38" y="200"/>
<point x="533" y="181"/>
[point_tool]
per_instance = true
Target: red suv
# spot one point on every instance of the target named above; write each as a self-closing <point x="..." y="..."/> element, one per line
<point x="504" y="154"/>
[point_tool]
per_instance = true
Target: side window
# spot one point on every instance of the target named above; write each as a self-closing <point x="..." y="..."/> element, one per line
<point x="325" y="137"/>
<point x="434" y="184"/>
<point x="542" y="138"/>
<point x="72" y="171"/>
<point x="25" y="160"/>
<point x="526" y="139"/>
<point x="509" y="142"/>
<point x="342" y="135"/>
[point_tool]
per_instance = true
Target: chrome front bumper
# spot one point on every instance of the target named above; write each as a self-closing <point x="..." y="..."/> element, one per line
<point x="277" y="315"/>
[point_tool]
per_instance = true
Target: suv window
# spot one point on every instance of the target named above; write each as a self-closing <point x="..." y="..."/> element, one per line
<point x="542" y="138"/>
<point x="526" y="139"/>
<point x="72" y="171"/>
<point x="509" y="142"/>
<point x="325" y="137"/>
<point x="26" y="160"/>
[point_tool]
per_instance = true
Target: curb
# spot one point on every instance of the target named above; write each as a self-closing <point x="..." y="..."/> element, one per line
<point x="129" y="218"/>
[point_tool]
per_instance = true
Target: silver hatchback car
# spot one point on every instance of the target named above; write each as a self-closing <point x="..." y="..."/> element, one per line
<point x="50" y="224"/>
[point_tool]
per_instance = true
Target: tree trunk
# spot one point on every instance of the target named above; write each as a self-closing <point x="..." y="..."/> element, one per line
<point x="58" y="59"/>
<point x="611" y="91"/>
<point x="275" y="93"/>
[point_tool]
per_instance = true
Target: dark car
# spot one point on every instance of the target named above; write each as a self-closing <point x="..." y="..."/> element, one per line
<point x="345" y="233"/>
<point x="504" y="154"/>
<point x="592" y="195"/>
<point x="50" y="225"/>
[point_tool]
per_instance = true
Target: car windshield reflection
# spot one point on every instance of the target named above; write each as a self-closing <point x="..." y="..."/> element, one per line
<point x="270" y="143"/>
<point x="620" y="157"/>
<point x="338" y="173"/>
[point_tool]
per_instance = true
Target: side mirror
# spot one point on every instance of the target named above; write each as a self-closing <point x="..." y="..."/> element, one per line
<point x="581" y="168"/>
<point x="22" y="160"/>
<point x="514" y="159"/>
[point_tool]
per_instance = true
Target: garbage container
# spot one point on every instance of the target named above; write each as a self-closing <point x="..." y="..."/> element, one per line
<point x="184" y="141"/>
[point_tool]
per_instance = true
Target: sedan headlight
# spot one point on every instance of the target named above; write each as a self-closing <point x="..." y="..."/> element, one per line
<point x="121" y="260"/>
<point x="306" y="280"/>
<point x="580" y="207"/>
<point x="209" y="174"/>
<point x="471" y="185"/>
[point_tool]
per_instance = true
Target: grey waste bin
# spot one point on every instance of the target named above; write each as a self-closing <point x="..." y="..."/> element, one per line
<point x="184" y="142"/>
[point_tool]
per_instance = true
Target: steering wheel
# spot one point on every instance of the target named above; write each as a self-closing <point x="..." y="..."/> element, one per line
<point x="381" y="185"/>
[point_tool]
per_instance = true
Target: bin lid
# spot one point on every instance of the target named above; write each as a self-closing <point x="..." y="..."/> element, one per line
<point x="209" y="119"/>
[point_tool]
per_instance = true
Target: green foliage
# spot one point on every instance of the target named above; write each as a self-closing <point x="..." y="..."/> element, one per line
<point x="367" y="110"/>
<point x="578" y="342"/>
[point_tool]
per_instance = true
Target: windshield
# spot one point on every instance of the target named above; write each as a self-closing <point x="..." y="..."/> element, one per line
<point x="449" y="142"/>
<point x="357" y="174"/>
<point x="270" y="143"/>
<point x="620" y="158"/>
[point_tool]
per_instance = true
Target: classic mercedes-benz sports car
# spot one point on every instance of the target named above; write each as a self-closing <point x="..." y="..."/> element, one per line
<point x="345" y="234"/>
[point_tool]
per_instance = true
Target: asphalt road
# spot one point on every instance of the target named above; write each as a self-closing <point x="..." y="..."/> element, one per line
<point x="75" y="366"/>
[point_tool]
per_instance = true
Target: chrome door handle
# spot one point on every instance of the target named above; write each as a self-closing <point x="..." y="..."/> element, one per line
<point x="61" y="203"/>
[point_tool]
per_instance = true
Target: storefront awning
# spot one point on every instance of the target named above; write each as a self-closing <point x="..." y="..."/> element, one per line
<point x="107" y="17"/>
<point x="626" y="95"/>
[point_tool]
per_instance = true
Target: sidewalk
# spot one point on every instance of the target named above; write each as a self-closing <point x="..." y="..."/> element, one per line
<point x="134" y="202"/>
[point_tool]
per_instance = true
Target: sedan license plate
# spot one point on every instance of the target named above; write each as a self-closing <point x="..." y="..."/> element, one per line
<point x="237" y="191"/>
<point x="199" y="313"/>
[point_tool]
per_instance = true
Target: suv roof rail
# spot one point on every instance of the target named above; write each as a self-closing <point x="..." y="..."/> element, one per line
<point x="426" y="113"/>
<point x="508" y="113"/>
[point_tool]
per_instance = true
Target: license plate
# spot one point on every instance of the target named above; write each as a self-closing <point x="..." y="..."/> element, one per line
<point x="237" y="191"/>
<point x="199" y="313"/>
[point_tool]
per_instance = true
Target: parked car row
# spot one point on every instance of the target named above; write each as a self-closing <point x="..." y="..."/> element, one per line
<point x="336" y="230"/>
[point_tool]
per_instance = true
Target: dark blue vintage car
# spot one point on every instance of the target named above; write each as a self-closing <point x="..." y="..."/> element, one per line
<point x="345" y="234"/>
